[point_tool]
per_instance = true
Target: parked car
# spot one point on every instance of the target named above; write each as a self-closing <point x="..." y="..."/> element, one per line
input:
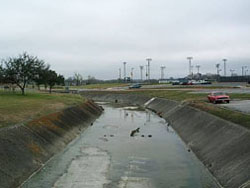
<point x="201" y="82"/>
<point x="135" y="86"/>
<point x="186" y="82"/>
<point x="216" y="97"/>
<point x="176" y="82"/>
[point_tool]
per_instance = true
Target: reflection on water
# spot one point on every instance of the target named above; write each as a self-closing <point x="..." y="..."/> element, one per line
<point x="155" y="157"/>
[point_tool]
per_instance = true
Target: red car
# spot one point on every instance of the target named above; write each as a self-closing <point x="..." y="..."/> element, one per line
<point x="215" y="97"/>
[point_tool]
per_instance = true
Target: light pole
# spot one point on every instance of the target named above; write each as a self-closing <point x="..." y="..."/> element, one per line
<point x="190" y="64"/>
<point x="148" y="60"/>
<point x="225" y="68"/>
<point x="246" y="72"/>
<point x="198" y="68"/>
<point x="162" y="72"/>
<point x="124" y="70"/>
<point x="232" y="72"/>
<point x="120" y="74"/>
<point x="242" y="68"/>
<point x="141" y="69"/>
<point x="218" y="68"/>
<point x="131" y="73"/>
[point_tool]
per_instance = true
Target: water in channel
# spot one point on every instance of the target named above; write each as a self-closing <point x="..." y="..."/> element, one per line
<point x="105" y="155"/>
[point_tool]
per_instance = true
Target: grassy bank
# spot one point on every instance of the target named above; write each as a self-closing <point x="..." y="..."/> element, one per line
<point x="15" y="108"/>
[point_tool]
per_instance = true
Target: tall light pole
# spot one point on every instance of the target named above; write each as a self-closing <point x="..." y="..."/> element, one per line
<point x="141" y="70"/>
<point x="232" y="72"/>
<point x="242" y="68"/>
<point x="225" y="67"/>
<point x="162" y="72"/>
<point x="218" y="68"/>
<point x="124" y="70"/>
<point x="131" y="73"/>
<point x="120" y="74"/>
<point x="198" y="68"/>
<point x="246" y="72"/>
<point x="148" y="60"/>
<point x="146" y="72"/>
<point x="190" y="64"/>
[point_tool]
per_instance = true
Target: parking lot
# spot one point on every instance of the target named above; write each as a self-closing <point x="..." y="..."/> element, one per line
<point x="242" y="106"/>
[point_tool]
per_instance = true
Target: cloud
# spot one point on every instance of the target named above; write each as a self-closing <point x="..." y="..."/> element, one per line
<point x="95" y="37"/>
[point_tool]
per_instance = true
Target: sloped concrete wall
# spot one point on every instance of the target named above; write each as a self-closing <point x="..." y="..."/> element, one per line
<point x="222" y="146"/>
<point x="25" y="148"/>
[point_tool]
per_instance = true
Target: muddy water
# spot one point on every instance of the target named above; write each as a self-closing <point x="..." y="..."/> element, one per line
<point x="105" y="155"/>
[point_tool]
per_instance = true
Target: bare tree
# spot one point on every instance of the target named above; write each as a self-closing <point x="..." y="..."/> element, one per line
<point x="78" y="78"/>
<point x="22" y="69"/>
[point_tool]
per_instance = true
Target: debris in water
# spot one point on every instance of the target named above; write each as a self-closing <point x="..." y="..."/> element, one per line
<point x="159" y="114"/>
<point x="142" y="135"/>
<point x="105" y="135"/>
<point x="104" y="139"/>
<point x="135" y="131"/>
<point x="149" y="135"/>
<point x="111" y="135"/>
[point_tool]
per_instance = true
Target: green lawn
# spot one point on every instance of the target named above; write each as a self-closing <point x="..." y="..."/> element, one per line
<point x="99" y="86"/>
<point x="15" y="108"/>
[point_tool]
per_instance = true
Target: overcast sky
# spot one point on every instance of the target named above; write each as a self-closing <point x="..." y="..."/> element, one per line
<point x="94" y="37"/>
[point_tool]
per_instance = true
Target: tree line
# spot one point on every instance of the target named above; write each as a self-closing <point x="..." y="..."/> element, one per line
<point x="26" y="69"/>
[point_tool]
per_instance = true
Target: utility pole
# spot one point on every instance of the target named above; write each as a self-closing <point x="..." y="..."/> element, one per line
<point x="225" y="67"/>
<point x="124" y="70"/>
<point x="190" y="65"/>
<point x="148" y="60"/>
<point x="198" y="68"/>
<point x="141" y="70"/>
<point x="162" y="72"/>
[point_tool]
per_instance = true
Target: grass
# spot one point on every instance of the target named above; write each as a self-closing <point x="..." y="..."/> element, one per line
<point x="15" y="108"/>
<point x="227" y="114"/>
<point x="99" y="86"/>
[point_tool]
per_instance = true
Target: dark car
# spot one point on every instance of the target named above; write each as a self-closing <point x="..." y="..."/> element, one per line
<point x="135" y="86"/>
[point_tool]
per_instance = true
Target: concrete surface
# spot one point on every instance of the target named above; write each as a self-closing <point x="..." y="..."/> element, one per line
<point x="242" y="106"/>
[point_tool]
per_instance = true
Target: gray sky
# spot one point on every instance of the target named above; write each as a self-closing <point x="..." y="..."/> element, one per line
<point x="94" y="37"/>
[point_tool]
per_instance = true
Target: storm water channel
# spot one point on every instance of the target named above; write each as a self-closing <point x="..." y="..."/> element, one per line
<point x="105" y="155"/>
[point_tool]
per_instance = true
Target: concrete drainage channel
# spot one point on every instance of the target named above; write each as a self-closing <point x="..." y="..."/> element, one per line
<point x="126" y="147"/>
<point x="222" y="147"/>
<point x="24" y="149"/>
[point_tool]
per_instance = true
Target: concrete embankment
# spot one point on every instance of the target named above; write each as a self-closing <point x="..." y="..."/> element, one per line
<point x="25" y="148"/>
<point x="223" y="147"/>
